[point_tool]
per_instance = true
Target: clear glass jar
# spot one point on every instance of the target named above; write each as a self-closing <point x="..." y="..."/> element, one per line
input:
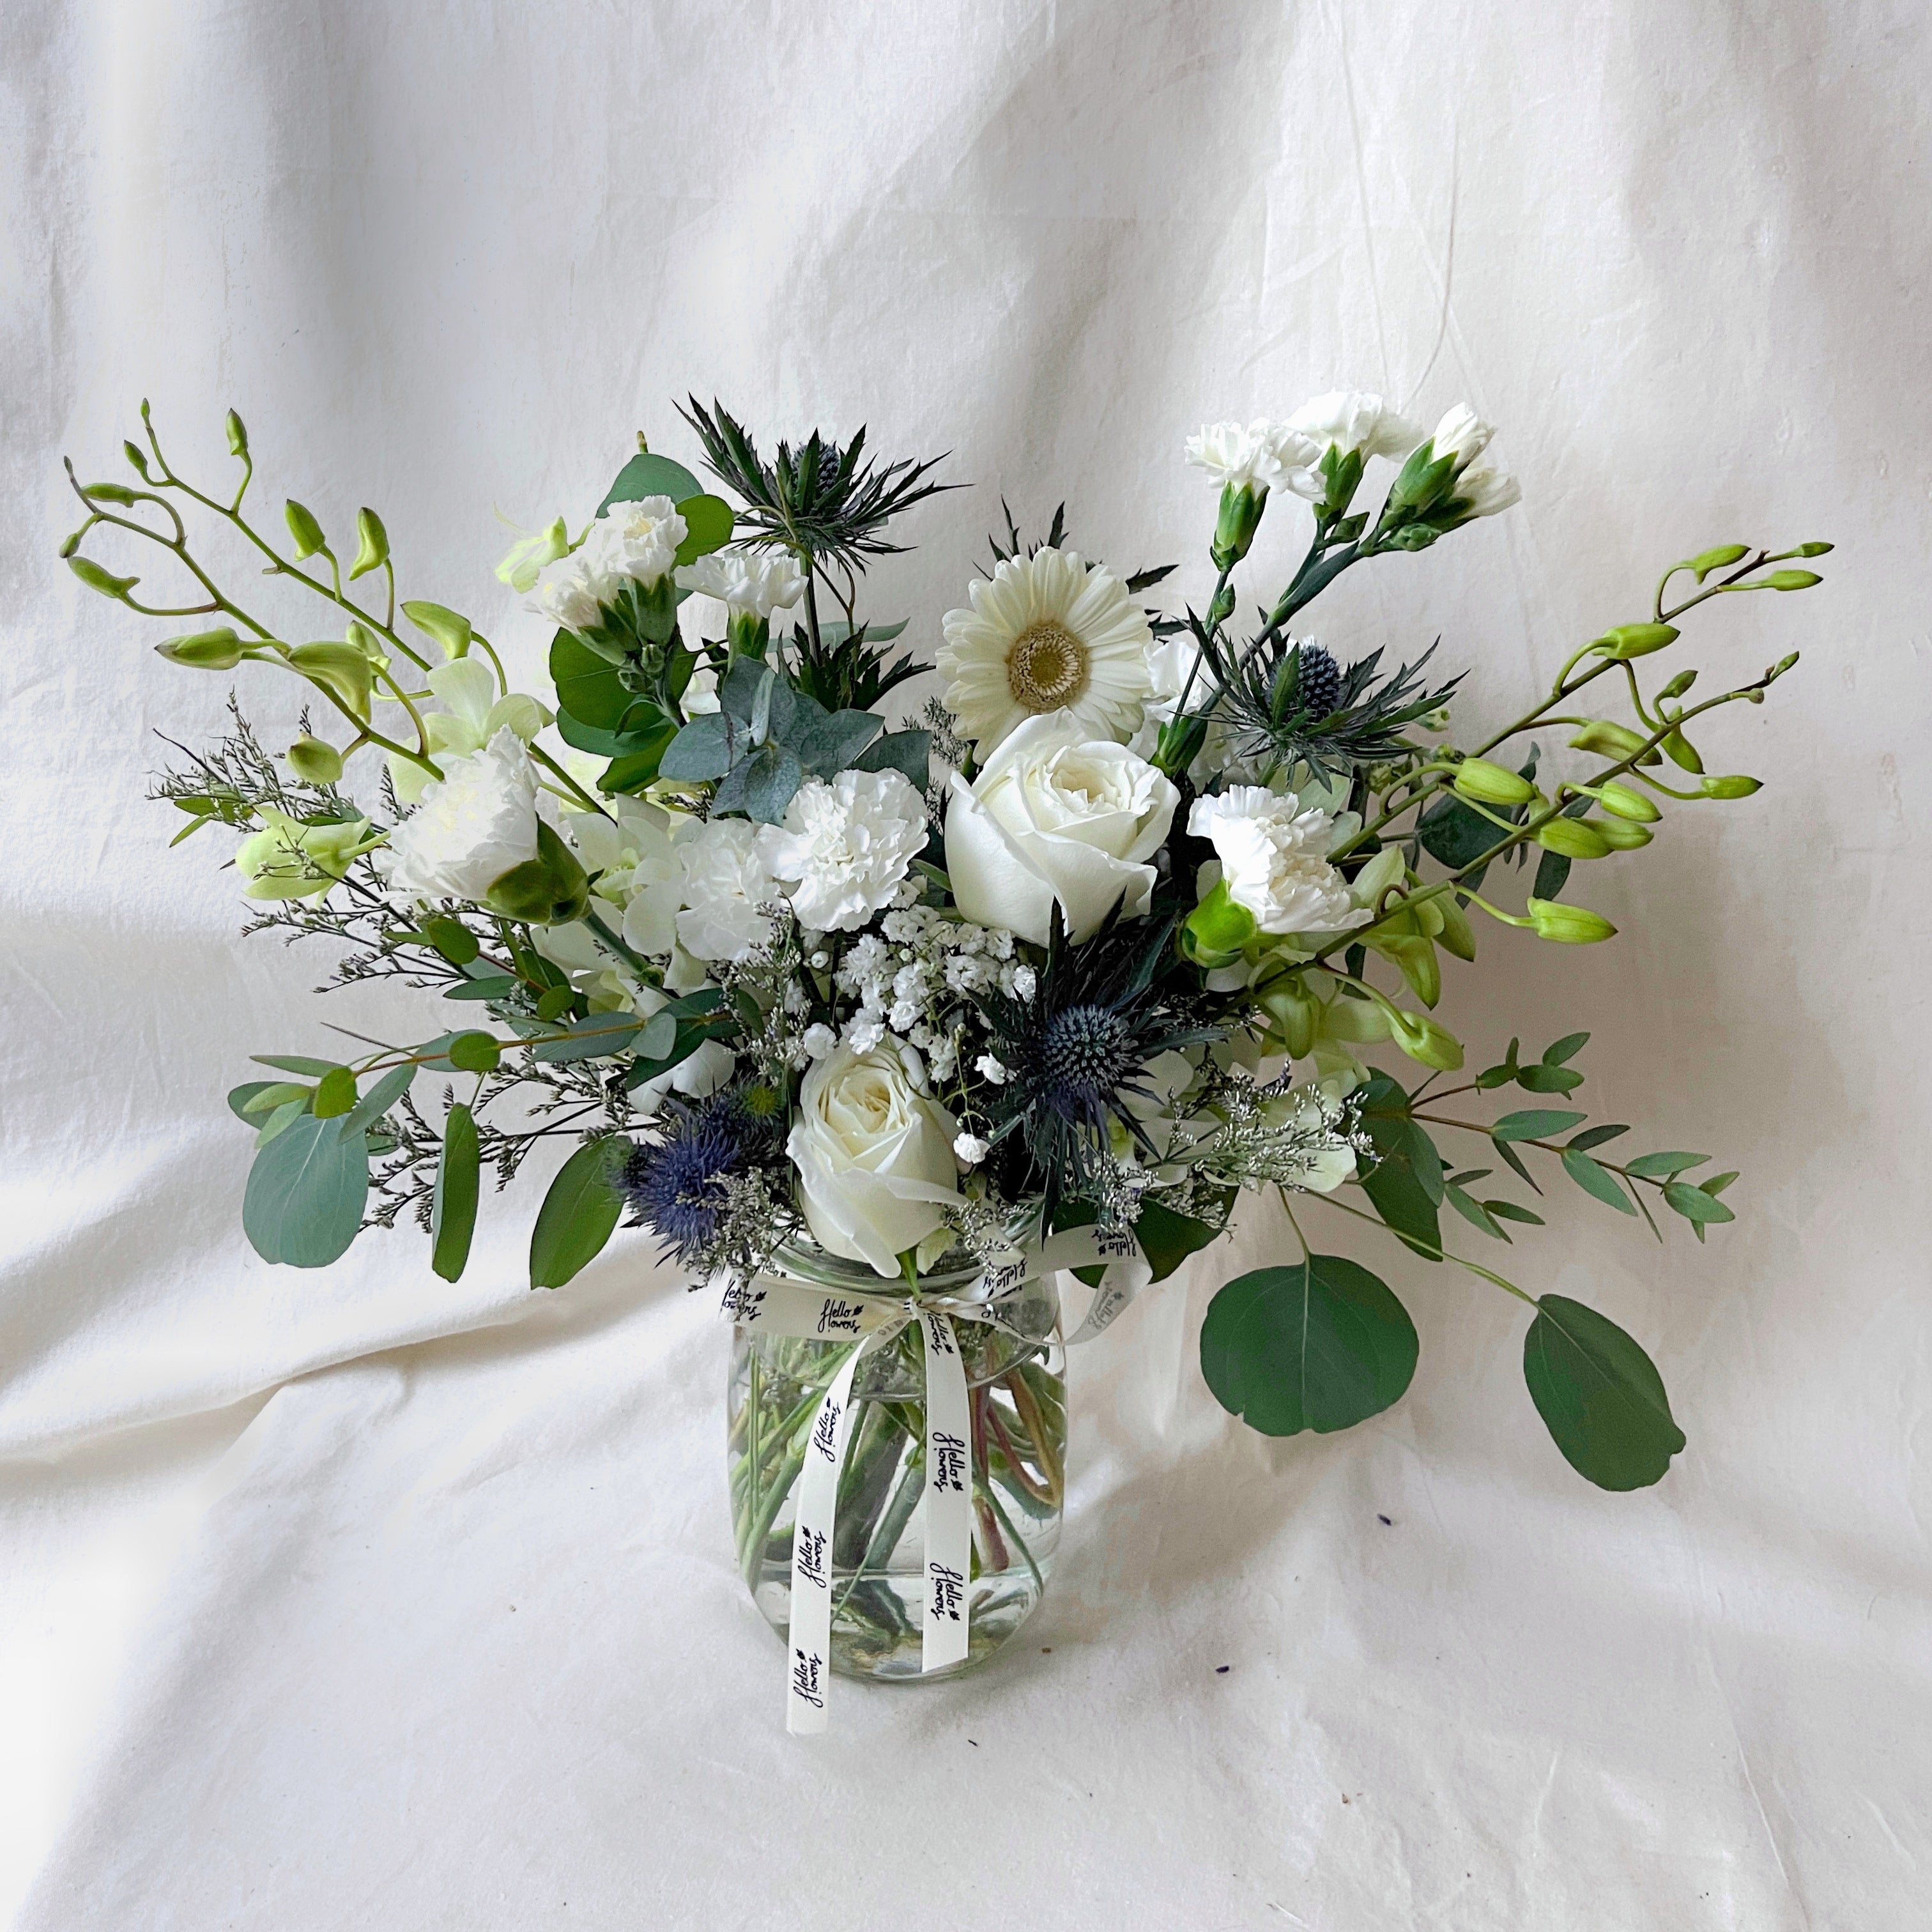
<point x="1017" y="1402"/>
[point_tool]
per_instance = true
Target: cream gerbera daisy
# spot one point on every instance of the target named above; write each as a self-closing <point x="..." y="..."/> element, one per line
<point x="1047" y="633"/>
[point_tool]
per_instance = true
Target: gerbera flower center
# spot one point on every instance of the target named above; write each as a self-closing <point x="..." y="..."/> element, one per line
<point x="1047" y="667"/>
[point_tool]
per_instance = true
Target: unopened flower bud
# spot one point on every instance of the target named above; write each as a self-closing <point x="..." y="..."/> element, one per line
<point x="1492" y="783"/>
<point x="1572" y="838"/>
<point x="1568" y="924"/>
<point x="372" y="543"/>
<point x="1607" y="740"/>
<point x="219" y="649"/>
<point x="1422" y="1038"/>
<point x="1457" y="935"/>
<point x="1295" y="1012"/>
<point x="314" y="761"/>
<point x="1634" y="640"/>
<point x="91" y="574"/>
<point x="1621" y="835"/>
<point x="237" y="437"/>
<point x="1813" y="549"/>
<point x="136" y="460"/>
<point x="304" y="528"/>
<point x="1737" y="786"/>
<point x="450" y="630"/>
<point x="108" y="493"/>
<point x="1678" y="685"/>
<point x="1682" y="753"/>
<point x="339" y="667"/>
<point x="1719" y="559"/>
<point x="1627" y="803"/>
<point x="1793" y="579"/>
<point x="1783" y="665"/>
<point x="550" y="890"/>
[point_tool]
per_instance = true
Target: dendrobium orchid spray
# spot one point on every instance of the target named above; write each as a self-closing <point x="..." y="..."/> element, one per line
<point x="888" y="1028"/>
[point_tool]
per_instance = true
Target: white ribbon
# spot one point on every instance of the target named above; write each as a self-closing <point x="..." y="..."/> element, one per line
<point x="775" y="1306"/>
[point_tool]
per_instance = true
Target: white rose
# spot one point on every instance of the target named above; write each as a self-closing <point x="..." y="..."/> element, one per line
<point x="1054" y="816"/>
<point x="472" y="825"/>
<point x="1274" y="860"/>
<point x="1355" y="419"/>
<point x="638" y="540"/>
<point x="875" y="1157"/>
<point x="845" y="846"/>
<point x="725" y="882"/>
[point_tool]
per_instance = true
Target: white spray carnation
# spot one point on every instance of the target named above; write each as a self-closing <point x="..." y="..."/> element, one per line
<point x="1274" y="861"/>
<point x="472" y="825"/>
<point x="845" y="846"/>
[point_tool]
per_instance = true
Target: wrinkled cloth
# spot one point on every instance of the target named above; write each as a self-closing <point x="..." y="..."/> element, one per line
<point x="359" y="1599"/>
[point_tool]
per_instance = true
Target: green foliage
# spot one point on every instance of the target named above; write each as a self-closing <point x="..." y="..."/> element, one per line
<point x="453" y="1209"/>
<point x="1322" y="1346"/>
<point x="303" y="1205"/>
<point x="1405" y="1184"/>
<point x="1599" y="1395"/>
<point x="845" y="670"/>
<point x="1167" y="1239"/>
<point x="578" y="1214"/>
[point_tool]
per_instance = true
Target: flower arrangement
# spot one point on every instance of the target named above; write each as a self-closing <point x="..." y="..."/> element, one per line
<point x="1144" y="912"/>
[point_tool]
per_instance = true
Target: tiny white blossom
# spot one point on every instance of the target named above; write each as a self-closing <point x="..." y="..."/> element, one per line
<point x="1025" y="981"/>
<point x="862" y="1036"/>
<point x="820" y="961"/>
<point x="818" y="1040"/>
<point x="971" y="1149"/>
<point x="991" y="1068"/>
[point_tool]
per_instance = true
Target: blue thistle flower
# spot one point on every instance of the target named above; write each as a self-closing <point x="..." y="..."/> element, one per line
<point x="675" y="1184"/>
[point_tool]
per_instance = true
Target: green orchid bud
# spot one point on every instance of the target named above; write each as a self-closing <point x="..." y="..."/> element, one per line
<point x="1240" y="517"/>
<point x="1423" y="1040"/>
<point x="1678" y="685"/>
<point x="1720" y="558"/>
<point x="1493" y="784"/>
<point x="550" y="890"/>
<point x="237" y="437"/>
<point x="137" y="461"/>
<point x="1682" y="753"/>
<point x="1812" y="549"/>
<point x="1634" y="640"/>
<point x="1295" y="1014"/>
<point x="1568" y="924"/>
<point x="108" y="493"/>
<point x="339" y="667"/>
<point x="1621" y="835"/>
<point x="1458" y="936"/>
<point x="304" y="528"/>
<point x="524" y="563"/>
<point x="288" y="859"/>
<point x="372" y="543"/>
<point x="1572" y="838"/>
<point x="1793" y="579"/>
<point x="218" y="649"/>
<point x="363" y="639"/>
<point x="71" y="542"/>
<point x="1783" y="665"/>
<point x="1737" y="786"/>
<point x="438" y="621"/>
<point x="315" y="761"/>
<point x="91" y="574"/>
<point x="1216" y="929"/>
<point x="1627" y="803"/>
<point x="1607" y="740"/>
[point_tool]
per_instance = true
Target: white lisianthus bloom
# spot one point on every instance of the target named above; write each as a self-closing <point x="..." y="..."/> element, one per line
<point x="1046" y="633"/>
<point x="1055" y="814"/>
<point x="875" y="1157"/>
<point x="756" y="582"/>
<point x="471" y="826"/>
<point x="724" y="882"/>
<point x="1274" y="860"/>
<point x="471" y="715"/>
<point x="638" y="540"/>
<point x="844" y="847"/>
<point x="1355" y="419"/>
<point x="1264" y="455"/>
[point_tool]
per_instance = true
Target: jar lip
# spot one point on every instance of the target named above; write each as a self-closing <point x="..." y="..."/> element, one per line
<point x="956" y="1269"/>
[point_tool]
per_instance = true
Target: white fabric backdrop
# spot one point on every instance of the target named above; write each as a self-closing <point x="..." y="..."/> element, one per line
<point x="356" y="1599"/>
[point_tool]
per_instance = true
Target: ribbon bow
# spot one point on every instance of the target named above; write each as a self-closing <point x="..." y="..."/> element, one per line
<point x="776" y="1306"/>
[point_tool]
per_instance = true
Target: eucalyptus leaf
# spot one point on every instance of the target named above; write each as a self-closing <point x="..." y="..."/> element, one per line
<point x="1665" y="1163"/>
<point x="1167" y="1239"/>
<point x="1600" y="1395"/>
<point x="1596" y="1136"/>
<point x="590" y="1038"/>
<point x="294" y="1062"/>
<point x="1473" y="1211"/>
<point x="578" y="1214"/>
<point x="1549" y="1079"/>
<point x="1595" y="1178"/>
<point x="908" y="752"/>
<point x="377" y="1102"/>
<point x="1694" y="1204"/>
<point x="238" y="1097"/>
<point x="1322" y="1346"/>
<point x="702" y="749"/>
<point x="1568" y="1048"/>
<point x="304" y="1202"/>
<point x="1535" y="1123"/>
<point x="498" y="986"/>
<point x="648" y="475"/>
<point x="760" y="786"/>
<point x="453" y="1206"/>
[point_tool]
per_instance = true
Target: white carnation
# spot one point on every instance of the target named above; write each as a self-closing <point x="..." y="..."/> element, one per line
<point x="1262" y="456"/>
<point x="1481" y="487"/>
<point x="1274" y="861"/>
<point x="638" y="540"/>
<point x="1463" y="434"/>
<point x="725" y="884"/>
<point x="474" y="824"/>
<point x="568" y="594"/>
<point x="1356" y="419"/>
<point x="746" y="580"/>
<point x="844" y="846"/>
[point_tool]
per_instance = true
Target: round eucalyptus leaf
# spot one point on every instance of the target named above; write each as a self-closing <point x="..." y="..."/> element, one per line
<point x="1322" y="1346"/>
<point x="304" y="1202"/>
<point x="1600" y="1395"/>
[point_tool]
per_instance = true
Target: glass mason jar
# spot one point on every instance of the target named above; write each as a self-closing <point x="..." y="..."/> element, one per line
<point x="1017" y="1402"/>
